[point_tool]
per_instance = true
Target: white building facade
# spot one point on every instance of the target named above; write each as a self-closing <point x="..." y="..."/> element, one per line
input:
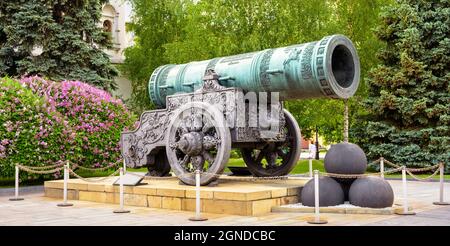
<point x="115" y="16"/>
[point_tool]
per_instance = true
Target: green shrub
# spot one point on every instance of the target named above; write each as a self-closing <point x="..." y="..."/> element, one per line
<point x="30" y="131"/>
<point x="45" y="122"/>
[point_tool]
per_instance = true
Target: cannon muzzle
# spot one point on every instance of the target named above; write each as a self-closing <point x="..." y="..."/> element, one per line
<point x="325" y="68"/>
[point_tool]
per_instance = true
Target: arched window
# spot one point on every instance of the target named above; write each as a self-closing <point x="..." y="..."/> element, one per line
<point x="110" y="21"/>
<point x="107" y="26"/>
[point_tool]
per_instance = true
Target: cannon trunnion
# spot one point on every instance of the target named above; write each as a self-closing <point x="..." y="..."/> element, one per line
<point x="207" y="111"/>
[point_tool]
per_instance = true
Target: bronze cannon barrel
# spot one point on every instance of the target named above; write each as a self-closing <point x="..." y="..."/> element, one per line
<point x="326" y="68"/>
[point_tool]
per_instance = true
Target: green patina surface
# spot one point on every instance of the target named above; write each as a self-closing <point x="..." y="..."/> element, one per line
<point x="325" y="68"/>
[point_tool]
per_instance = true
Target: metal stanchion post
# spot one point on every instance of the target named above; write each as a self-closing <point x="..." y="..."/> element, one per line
<point x="198" y="216"/>
<point x="405" y="210"/>
<point x="441" y="186"/>
<point x="317" y="219"/>
<point x="121" y="210"/>
<point x="124" y="166"/>
<point x="16" y="189"/>
<point x="382" y="167"/>
<point x="66" y="179"/>
<point x="310" y="168"/>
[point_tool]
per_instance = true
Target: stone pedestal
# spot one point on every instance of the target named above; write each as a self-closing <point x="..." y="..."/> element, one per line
<point x="232" y="195"/>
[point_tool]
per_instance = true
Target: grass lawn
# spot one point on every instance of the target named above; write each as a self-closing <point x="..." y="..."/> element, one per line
<point x="300" y="168"/>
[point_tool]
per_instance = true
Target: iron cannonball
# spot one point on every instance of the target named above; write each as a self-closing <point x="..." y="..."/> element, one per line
<point x="371" y="192"/>
<point x="330" y="193"/>
<point x="345" y="158"/>
<point x="345" y="185"/>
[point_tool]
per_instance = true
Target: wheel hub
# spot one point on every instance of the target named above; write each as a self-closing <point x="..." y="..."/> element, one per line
<point x="191" y="143"/>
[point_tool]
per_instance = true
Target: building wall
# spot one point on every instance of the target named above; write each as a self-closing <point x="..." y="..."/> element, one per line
<point x="115" y="15"/>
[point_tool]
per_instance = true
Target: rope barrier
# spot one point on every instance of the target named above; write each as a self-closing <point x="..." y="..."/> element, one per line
<point x="439" y="168"/>
<point x="422" y="169"/>
<point x="423" y="179"/>
<point x="96" y="169"/>
<point x="391" y="164"/>
<point x="352" y="176"/>
<point x="397" y="168"/>
<point x="27" y="169"/>
<point x="375" y="161"/>
<point x="94" y="180"/>
<point x="44" y="167"/>
<point x="413" y="169"/>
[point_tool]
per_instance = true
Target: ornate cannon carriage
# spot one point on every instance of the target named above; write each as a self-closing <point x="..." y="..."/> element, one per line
<point x="209" y="107"/>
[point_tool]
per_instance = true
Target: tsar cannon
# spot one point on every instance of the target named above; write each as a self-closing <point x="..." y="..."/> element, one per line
<point x="207" y="108"/>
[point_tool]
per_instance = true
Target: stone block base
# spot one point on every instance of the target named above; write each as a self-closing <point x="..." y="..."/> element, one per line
<point x="233" y="195"/>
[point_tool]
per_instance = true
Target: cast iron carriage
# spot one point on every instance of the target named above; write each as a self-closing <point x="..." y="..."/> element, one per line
<point x="206" y="111"/>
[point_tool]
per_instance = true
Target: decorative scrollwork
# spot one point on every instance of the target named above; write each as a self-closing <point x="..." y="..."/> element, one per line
<point x="306" y="61"/>
<point x="264" y="76"/>
<point x="152" y="128"/>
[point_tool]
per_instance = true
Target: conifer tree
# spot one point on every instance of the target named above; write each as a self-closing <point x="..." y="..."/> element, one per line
<point x="409" y="93"/>
<point x="59" y="39"/>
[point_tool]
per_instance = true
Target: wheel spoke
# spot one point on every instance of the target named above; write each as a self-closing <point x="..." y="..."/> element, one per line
<point x="184" y="161"/>
<point x="261" y="155"/>
<point x="182" y="128"/>
<point x="271" y="158"/>
<point x="208" y="157"/>
<point x="281" y="153"/>
<point x="206" y="127"/>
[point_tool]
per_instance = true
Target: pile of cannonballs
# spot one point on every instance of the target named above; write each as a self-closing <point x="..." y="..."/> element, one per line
<point x="368" y="191"/>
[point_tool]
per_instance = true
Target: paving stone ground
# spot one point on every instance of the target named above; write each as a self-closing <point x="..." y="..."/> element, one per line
<point x="38" y="210"/>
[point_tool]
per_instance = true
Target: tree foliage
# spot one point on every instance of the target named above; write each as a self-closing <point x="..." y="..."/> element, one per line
<point x="409" y="93"/>
<point x="179" y="31"/>
<point x="67" y="33"/>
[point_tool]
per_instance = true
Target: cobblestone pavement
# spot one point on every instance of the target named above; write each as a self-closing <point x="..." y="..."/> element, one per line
<point x="39" y="210"/>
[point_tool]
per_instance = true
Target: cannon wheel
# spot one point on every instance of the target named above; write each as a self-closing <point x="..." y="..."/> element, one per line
<point x="160" y="167"/>
<point x="276" y="158"/>
<point x="198" y="140"/>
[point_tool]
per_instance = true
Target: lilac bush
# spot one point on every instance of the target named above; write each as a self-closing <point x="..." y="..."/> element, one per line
<point x="30" y="131"/>
<point x="91" y="121"/>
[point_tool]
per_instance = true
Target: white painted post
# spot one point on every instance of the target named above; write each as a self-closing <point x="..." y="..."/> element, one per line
<point x="66" y="179"/>
<point x="16" y="188"/>
<point x="310" y="168"/>
<point x="405" y="195"/>
<point x="316" y="196"/>
<point x="317" y="219"/>
<point x="441" y="186"/>
<point x="382" y="167"/>
<point x="197" y="193"/>
<point x="405" y="190"/>
<point x="65" y="184"/>
<point x="124" y="166"/>
<point x="121" y="189"/>
<point x="198" y="216"/>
